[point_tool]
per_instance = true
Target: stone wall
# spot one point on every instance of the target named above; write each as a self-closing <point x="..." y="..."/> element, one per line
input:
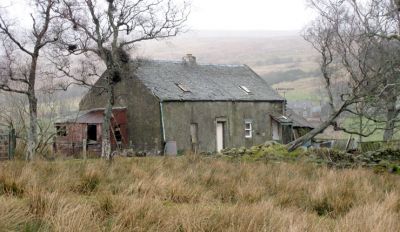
<point x="143" y="112"/>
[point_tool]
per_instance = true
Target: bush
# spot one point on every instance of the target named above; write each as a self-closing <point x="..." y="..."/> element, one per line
<point x="268" y="151"/>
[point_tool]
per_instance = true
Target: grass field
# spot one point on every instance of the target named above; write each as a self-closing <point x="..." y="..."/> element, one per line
<point x="194" y="194"/>
<point x="304" y="89"/>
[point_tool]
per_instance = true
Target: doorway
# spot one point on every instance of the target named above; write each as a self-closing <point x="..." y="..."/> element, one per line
<point x="275" y="131"/>
<point x="220" y="136"/>
<point x="92" y="133"/>
<point x="193" y="137"/>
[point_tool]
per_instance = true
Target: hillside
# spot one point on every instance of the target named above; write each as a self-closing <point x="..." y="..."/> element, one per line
<point x="268" y="53"/>
<point x="305" y="89"/>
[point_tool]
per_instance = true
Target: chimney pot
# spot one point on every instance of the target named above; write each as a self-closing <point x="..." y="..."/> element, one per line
<point x="189" y="59"/>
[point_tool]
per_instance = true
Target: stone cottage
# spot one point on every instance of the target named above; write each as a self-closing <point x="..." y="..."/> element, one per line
<point x="201" y="107"/>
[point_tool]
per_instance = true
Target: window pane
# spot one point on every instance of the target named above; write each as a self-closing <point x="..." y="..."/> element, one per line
<point x="61" y="130"/>
<point x="248" y="134"/>
<point x="248" y="126"/>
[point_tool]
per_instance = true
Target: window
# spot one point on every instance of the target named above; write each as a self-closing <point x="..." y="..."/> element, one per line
<point x="248" y="129"/>
<point x="245" y="89"/>
<point x="183" y="87"/>
<point x="61" y="130"/>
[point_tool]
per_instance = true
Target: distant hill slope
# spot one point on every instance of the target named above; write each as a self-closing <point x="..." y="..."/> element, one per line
<point x="276" y="56"/>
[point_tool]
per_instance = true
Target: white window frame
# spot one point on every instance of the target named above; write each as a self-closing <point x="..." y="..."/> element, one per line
<point x="248" y="132"/>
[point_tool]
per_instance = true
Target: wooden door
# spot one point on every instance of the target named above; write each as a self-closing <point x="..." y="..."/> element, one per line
<point x="220" y="136"/>
<point x="275" y="130"/>
<point x="193" y="137"/>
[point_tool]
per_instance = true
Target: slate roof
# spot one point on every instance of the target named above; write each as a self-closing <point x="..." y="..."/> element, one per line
<point x="204" y="82"/>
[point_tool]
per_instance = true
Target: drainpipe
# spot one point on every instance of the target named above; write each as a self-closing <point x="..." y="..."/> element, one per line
<point x="162" y="121"/>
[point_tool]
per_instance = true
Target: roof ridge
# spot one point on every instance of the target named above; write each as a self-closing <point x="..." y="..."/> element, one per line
<point x="199" y="64"/>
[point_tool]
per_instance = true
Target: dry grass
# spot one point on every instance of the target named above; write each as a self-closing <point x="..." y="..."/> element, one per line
<point x="194" y="194"/>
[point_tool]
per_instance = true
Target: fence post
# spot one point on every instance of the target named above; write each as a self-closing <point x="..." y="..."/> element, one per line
<point x="84" y="150"/>
<point x="11" y="143"/>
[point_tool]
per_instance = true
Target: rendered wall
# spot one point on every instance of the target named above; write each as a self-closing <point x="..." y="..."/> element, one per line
<point x="179" y="115"/>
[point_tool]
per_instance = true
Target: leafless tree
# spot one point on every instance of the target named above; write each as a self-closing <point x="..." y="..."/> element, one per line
<point x="14" y="113"/>
<point x="349" y="37"/>
<point x="108" y="29"/>
<point x="20" y="57"/>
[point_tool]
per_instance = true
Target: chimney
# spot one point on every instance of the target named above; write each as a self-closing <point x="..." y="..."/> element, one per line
<point x="189" y="59"/>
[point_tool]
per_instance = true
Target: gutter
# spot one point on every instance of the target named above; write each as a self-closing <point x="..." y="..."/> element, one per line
<point x="162" y="121"/>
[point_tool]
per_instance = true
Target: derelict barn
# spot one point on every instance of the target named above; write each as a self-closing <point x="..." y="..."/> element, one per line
<point x="191" y="106"/>
<point x="84" y="128"/>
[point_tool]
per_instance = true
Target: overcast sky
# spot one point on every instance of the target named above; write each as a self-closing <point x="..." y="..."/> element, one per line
<point x="249" y="14"/>
<point x="281" y="15"/>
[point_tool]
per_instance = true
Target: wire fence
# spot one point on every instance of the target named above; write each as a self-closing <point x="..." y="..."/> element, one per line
<point x="377" y="145"/>
<point x="354" y="145"/>
<point x="76" y="148"/>
<point x="7" y="145"/>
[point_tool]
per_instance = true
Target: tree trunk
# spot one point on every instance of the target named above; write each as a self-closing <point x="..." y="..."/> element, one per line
<point x="32" y="129"/>
<point x="310" y="135"/>
<point x="106" y="143"/>
<point x="391" y="115"/>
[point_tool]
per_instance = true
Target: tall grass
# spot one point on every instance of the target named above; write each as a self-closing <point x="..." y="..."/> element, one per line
<point x="194" y="194"/>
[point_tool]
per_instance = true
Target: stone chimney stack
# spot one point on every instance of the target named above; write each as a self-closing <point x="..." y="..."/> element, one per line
<point x="189" y="59"/>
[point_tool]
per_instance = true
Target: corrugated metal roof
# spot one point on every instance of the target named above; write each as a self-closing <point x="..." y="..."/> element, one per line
<point x="205" y="82"/>
<point x="93" y="116"/>
<point x="298" y="121"/>
<point x="281" y="118"/>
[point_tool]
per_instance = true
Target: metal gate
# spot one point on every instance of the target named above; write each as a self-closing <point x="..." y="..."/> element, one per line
<point x="7" y="145"/>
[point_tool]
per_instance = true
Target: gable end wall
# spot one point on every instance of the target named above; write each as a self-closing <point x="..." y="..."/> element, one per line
<point x="143" y="112"/>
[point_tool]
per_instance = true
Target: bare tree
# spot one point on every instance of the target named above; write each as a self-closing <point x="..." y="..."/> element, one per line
<point x="14" y="113"/>
<point x="20" y="57"/>
<point x="346" y="36"/>
<point x="109" y="29"/>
